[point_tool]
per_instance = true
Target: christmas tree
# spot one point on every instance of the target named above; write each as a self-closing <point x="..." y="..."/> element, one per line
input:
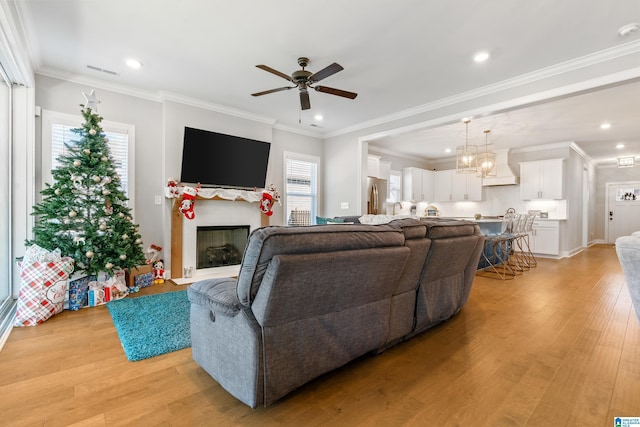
<point x="84" y="212"/>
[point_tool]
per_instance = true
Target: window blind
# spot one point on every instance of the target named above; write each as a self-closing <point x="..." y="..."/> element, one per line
<point x="118" y="146"/>
<point x="301" y="191"/>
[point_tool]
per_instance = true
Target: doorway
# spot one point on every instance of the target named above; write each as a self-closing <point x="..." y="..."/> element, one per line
<point x="622" y="214"/>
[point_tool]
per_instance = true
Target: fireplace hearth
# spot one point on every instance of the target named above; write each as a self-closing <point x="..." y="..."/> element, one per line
<point x="218" y="246"/>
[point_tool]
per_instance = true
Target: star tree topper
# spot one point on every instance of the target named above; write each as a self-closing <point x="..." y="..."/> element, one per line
<point x="91" y="100"/>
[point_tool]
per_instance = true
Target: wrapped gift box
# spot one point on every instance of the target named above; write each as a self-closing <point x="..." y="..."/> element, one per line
<point x="142" y="276"/>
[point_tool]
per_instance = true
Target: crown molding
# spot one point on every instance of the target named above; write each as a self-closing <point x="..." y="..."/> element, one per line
<point x="595" y="58"/>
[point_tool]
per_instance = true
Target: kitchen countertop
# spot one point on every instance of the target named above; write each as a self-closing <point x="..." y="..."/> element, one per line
<point x="497" y="219"/>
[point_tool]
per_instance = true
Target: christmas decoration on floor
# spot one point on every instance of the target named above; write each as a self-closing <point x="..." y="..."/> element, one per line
<point x="84" y="212"/>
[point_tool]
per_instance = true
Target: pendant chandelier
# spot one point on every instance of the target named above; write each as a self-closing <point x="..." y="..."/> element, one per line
<point x="487" y="159"/>
<point x="467" y="155"/>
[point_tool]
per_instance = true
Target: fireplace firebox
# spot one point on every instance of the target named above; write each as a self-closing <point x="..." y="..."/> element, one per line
<point x="217" y="246"/>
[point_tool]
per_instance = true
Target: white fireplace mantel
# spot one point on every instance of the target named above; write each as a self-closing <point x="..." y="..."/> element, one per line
<point x="213" y="206"/>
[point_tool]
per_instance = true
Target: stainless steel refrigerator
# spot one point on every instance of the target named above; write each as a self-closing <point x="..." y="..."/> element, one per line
<point x="376" y="195"/>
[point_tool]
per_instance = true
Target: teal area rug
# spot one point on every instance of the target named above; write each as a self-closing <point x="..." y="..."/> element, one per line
<point x="152" y="325"/>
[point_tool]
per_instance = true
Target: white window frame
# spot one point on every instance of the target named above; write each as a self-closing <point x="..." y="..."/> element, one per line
<point x="50" y="118"/>
<point x="305" y="158"/>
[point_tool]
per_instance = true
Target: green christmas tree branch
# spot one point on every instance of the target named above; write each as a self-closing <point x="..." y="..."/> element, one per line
<point x="84" y="211"/>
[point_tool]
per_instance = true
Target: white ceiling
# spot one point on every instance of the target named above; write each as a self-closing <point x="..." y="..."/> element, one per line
<point x="397" y="55"/>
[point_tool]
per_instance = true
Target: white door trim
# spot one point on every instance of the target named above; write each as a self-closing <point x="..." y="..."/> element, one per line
<point x="608" y="186"/>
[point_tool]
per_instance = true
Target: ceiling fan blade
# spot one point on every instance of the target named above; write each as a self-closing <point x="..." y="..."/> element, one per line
<point x="339" y="92"/>
<point x="276" y="72"/>
<point x="272" y="90"/>
<point x="304" y="100"/>
<point x="325" y="72"/>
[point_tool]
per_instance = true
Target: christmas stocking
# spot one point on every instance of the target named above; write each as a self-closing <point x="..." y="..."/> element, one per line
<point x="188" y="202"/>
<point x="266" y="204"/>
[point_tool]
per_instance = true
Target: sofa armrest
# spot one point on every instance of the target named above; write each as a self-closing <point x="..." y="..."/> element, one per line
<point x="218" y="295"/>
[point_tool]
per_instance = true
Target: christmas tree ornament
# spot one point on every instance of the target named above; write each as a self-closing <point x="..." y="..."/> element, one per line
<point x="123" y="257"/>
<point x="102" y="226"/>
<point x="95" y="178"/>
<point x="125" y="236"/>
<point x="86" y="151"/>
<point x="104" y="158"/>
<point x="57" y="192"/>
<point x="73" y="214"/>
<point x="188" y="202"/>
<point x="89" y="254"/>
<point x="106" y="192"/>
<point x="108" y="266"/>
<point x="106" y="180"/>
<point x="121" y="215"/>
<point x="77" y="163"/>
<point x="92" y="132"/>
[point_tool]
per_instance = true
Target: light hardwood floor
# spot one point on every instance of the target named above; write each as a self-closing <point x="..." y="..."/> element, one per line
<point x="558" y="346"/>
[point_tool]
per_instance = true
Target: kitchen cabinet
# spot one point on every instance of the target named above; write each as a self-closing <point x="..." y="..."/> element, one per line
<point x="417" y="185"/>
<point x="373" y="166"/>
<point x="450" y="186"/>
<point x="542" y="179"/>
<point x="545" y="238"/>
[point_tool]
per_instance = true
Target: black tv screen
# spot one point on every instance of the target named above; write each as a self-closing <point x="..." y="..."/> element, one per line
<point x="218" y="160"/>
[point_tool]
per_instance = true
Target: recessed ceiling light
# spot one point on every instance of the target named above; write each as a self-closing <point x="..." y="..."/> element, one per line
<point x="318" y="117"/>
<point x="447" y="150"/>
<point x="133" y="63"/>
<point x="629" y="29"/>
<point x="481" y="56"/>
<point x="605" y="126"/>
<point x="620" y="146"/>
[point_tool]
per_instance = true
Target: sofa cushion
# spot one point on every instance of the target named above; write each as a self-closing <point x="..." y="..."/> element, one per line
<point x="444" y="228"/>
<point x="412" y="228"/>
<point x="267" y="242"/>
<point x="218" y="295"/>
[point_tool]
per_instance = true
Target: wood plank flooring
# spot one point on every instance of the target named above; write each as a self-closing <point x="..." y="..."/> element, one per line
<point x="557" y="346"/>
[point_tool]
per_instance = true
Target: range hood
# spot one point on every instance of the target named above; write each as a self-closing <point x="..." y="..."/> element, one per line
<point x="504" y="174"/>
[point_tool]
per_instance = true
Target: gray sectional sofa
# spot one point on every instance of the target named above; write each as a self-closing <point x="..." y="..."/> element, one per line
<point x="310" y="299"/>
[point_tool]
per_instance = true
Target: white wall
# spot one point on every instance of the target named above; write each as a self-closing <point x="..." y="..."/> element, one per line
<point x="159" y="127"/>
<point x="66" y="97"/>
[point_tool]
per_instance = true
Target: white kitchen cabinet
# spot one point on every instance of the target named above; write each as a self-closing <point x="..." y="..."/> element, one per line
<point x="373" y="166"/>
<point x="417" y="185"/>
<point x="450" y="186"/>
<point x="442" y="182"/>
<point x="545" y="238"/>
<point x="542" y="179"/>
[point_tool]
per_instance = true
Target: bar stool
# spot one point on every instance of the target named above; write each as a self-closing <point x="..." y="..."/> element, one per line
<point x="498" y="248"/>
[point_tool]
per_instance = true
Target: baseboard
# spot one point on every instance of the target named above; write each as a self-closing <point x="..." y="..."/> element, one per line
<point x="7" y="325"/>
<point x="211" y="273"/>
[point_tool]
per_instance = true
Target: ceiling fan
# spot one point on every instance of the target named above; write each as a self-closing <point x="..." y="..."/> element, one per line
<point x="305" y="80"/>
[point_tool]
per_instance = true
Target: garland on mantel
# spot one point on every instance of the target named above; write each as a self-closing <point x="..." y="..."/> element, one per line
<point x="175" y="190"/>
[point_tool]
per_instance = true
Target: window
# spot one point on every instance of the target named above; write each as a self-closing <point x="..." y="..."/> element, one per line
<point x="56" y="131"/>
<point x="301" y="189"/>
<point x="395" y="186"/>
<point x="6" y="240"/>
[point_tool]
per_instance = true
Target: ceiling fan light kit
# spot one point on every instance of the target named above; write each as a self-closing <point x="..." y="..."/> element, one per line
<point x="467" y="155"/>
<point x="303" y="80"/>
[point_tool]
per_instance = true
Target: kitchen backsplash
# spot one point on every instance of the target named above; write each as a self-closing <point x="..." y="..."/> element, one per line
<point x="496" y="202"/>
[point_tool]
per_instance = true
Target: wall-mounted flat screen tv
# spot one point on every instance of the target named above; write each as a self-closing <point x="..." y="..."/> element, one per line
<point x="218" y="160"/>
